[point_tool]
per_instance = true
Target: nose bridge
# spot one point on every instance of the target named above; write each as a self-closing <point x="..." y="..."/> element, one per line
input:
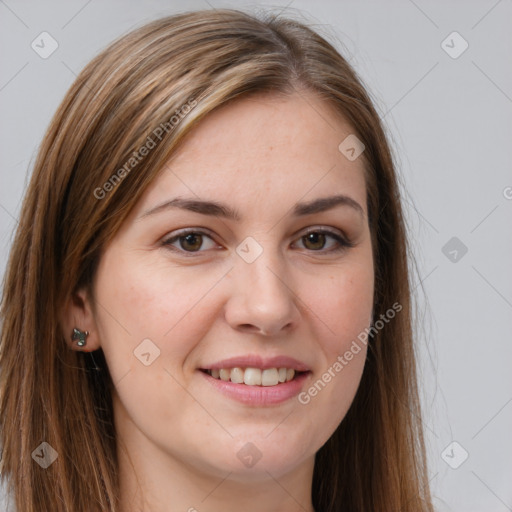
<point x="262" y="295"/>
<point x="266" y="274"/>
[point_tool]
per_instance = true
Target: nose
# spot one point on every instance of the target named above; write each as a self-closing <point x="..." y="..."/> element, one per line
<point x="262" y="299"/>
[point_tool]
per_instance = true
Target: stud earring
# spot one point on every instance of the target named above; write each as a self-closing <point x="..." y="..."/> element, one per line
<point x="79" y="335"/>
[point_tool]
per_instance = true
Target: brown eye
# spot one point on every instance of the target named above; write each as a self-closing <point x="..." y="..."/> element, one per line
<point x="314" y="241"/>
<point x="192" y="241"/>
<point x="188" y="241"/>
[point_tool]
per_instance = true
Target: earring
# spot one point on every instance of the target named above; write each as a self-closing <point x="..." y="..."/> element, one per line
<point x="80" y="336"/>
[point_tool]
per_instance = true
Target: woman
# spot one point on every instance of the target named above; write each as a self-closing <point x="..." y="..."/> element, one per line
<point x="207" y="302"/>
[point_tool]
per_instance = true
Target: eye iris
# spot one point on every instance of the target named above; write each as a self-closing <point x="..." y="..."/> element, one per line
<point x="316" y="238"/>
<point x="190" y="238"/>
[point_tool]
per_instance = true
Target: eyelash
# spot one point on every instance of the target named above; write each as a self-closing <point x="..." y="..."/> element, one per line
<point x="343" y="242"/>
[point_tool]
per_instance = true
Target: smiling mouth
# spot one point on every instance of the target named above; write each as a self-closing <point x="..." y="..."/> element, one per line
<point x="255" y="376"/>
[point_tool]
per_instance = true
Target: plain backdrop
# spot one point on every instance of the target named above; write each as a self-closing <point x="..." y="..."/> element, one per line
<point x="440" y="74"/>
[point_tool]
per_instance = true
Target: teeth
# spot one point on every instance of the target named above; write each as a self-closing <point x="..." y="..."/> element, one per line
<point x="270" y="377"/>
<point x="254" y="376"/>
<point x="237" y="375"/>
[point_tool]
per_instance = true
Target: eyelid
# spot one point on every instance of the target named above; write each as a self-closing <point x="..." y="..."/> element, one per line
<point x="326" y="230"/>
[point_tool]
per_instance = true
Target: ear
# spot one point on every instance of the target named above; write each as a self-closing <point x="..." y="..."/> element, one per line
<point x="78" y="313"/>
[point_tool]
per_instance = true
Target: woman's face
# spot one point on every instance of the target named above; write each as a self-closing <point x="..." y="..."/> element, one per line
<point x="255" y="291"/>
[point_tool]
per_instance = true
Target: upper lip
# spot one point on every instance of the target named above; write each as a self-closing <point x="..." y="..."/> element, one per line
<point x="256" y="361"/>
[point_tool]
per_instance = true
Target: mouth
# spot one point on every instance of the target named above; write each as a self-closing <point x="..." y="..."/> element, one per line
<point x="257" y="387"/>
<point x="256" y="380"/>
<point x="251" y="376"/>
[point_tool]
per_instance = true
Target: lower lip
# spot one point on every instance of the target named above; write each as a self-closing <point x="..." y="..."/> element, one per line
<point x="258" y="395"/>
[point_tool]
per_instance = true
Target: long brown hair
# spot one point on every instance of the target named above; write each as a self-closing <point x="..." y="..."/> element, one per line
<point x="375" y="460"/>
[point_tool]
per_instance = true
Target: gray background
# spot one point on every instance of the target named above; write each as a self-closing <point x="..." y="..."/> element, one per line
<point x="450" y="124"/>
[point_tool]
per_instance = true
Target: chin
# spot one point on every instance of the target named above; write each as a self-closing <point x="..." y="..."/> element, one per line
<point x="266" y="453"/>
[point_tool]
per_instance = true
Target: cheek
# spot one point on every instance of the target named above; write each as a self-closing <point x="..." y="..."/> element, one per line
<point x="150" y="309"/>
<point x="343" y="305"/>
<point x="138" y="302"/>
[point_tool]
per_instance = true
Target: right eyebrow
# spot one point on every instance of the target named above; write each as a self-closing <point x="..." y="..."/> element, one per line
<point x="201" y="206"/>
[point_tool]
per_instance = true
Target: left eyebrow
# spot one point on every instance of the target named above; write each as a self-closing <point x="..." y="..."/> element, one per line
<point x="327" y="203"/>
<point x="216" y="209"/>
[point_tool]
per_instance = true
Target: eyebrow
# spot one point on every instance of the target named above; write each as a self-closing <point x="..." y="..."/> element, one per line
<point x="216" y="209"/>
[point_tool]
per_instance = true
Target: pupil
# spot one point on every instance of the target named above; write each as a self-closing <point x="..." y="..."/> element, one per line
<point x="190" y="239"/>
<point x="314" y="237"/>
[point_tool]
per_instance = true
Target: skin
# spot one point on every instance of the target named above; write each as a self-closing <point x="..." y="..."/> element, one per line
<point x="260" y="155"/>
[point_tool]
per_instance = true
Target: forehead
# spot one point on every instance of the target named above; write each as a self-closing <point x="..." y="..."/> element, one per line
<point x="260" y="151"/>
